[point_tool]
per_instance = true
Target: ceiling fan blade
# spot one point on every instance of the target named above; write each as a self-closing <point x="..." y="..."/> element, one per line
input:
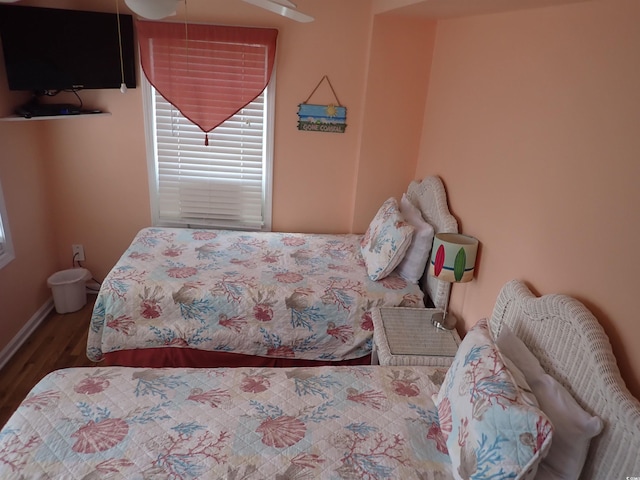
<point x="286" y="3"/>
<point x="281" y="9"/>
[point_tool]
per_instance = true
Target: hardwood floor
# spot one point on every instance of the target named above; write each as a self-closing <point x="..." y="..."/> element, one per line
<point x="60" y="341"/>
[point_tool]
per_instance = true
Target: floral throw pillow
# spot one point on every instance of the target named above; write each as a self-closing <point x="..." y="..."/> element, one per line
<point x="386" y="240"/>
<point x="490" y="427"/>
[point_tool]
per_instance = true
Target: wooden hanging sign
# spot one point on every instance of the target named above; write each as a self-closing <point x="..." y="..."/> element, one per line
<point x="322" y="118"/>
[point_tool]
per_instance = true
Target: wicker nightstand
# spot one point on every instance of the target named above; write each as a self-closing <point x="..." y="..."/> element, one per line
<point x="405" y="336"/>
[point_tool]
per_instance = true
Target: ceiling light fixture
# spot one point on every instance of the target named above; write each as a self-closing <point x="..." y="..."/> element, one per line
<point x="152" y="9"/>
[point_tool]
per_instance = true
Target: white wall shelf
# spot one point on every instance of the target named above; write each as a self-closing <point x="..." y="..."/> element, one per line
<point x="17" y="118"/>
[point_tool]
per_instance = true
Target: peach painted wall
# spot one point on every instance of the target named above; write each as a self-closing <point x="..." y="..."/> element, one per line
<point x="395" y="92"/>
<point x="23" y="289"/>
<point x="532" y="122"/>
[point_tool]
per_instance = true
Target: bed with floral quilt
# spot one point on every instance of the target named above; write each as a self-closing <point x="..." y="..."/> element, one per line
<point x="505" y="409"/>
<point x="196" y="297"/>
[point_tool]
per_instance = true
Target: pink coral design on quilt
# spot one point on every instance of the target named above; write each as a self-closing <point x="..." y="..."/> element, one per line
<point x="42" y="400"/>
<point x="151" y="302"/>
<point x="405" y="388"/>
<point x="234" y="323"/>
<point x="150" y="309"/>
<point x="113" y="465"/>
<point x="232" y="287"/>
<point x="123" y="324"/>
<point x="340" y="268"/>
<point x="213" y="398"/>
<point x="370" y="398"/>
<point x="145" y="257"/>
<point x="255" y="383"/>
<point x="293" y="241"/>
<point x="366" y="449"/>
<point x="394" y="282"/>
<point x="249" y="264"/>
<point x="177" y="341"/>
<point x="307" y="460"/>
<point x="342" y="293"/>
<point x="15" y="453"/>
<point x="182" y="272"/>
<point x="404" y="384"/>
<point x="435" y="434"/>
<point x="444" y="416"/>
<point x="283" y="351"/>
<point x="366" y="322"/>
<point x="173" y="251"/>
<point x="99" y="436"/>
<point x="288" y="277"/>
<point x="344" y="333"/>
<point x="184" y="454"/>
<point x="203" y="235"/>
<point x="92" y="385"/>
<point x="263" y="312"/>
<point x="271" y="256"/>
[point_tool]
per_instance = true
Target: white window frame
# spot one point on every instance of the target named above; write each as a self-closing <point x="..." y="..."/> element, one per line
<point x="7" y="253"/>
<point x="152" y="164"/>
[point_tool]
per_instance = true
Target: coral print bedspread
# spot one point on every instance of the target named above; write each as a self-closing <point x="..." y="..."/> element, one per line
<point x="234" y="423"/>
<point x="281" y="295"/>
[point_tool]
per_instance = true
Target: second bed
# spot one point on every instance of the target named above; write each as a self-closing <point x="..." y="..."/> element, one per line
<point x="185" y="297"/>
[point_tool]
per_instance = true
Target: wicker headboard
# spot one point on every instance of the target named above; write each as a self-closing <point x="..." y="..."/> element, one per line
<point x="572" y="347"/>
<point x="430" y="197"/>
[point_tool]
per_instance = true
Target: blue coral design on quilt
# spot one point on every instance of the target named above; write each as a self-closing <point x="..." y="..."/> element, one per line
<point x="264" y="293"/>
<point x="321" y="422"/>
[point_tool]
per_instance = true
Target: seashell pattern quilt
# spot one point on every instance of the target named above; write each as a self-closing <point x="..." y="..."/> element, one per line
<point x="282" y="295"/>
<point x="229" y="423"/>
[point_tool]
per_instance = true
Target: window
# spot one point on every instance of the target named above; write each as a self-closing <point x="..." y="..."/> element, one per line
<point x="225" y="184"/>
<point x="6" y="247"/>
<point x="196" y="77"/>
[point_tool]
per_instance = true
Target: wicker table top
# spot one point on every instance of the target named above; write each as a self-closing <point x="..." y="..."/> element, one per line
<point x="405" y="336"/>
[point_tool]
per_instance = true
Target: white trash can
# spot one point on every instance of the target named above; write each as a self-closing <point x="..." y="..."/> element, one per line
<point x="69" y="289"/>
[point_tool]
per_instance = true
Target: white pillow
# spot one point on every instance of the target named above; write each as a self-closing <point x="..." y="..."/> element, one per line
<point x="573" y="427"/>
<point x="415" y="259"/>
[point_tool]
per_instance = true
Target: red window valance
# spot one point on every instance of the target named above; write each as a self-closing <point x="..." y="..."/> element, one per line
<point x="208" y="72"/>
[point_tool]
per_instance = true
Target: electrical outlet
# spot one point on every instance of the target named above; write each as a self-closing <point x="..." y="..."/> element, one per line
<point x="78" y="253"/>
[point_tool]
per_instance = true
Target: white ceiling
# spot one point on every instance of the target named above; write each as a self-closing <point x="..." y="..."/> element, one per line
<point x="459" y="8"/>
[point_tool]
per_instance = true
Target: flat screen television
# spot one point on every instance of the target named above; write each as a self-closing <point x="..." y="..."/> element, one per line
<point x="47" y="49"/>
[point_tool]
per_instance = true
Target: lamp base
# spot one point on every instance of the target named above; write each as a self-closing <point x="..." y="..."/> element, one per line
<point x="444" y="320"/>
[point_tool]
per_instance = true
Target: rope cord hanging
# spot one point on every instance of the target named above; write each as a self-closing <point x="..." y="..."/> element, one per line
<point x="318" y="86"/>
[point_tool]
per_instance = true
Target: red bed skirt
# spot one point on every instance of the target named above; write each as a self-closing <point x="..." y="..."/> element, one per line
<point x="189" y="357"/>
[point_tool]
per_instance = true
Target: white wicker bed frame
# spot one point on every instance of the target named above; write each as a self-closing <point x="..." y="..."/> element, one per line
<point x="572" y="347"/>
<point x="431" y="198"/>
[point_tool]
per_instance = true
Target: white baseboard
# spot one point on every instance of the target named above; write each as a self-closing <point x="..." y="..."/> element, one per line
<point x="24" y="333"/>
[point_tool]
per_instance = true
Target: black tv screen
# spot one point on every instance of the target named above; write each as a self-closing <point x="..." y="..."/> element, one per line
<point x="48" y="49"/>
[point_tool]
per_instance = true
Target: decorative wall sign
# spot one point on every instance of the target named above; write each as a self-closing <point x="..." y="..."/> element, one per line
<point x="322" y="118"/>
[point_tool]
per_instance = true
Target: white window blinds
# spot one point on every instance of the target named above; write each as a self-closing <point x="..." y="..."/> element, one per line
<point x="224" y="184"/>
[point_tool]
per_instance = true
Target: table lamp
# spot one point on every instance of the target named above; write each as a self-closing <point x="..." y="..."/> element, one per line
<point x="453" y="258"/>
